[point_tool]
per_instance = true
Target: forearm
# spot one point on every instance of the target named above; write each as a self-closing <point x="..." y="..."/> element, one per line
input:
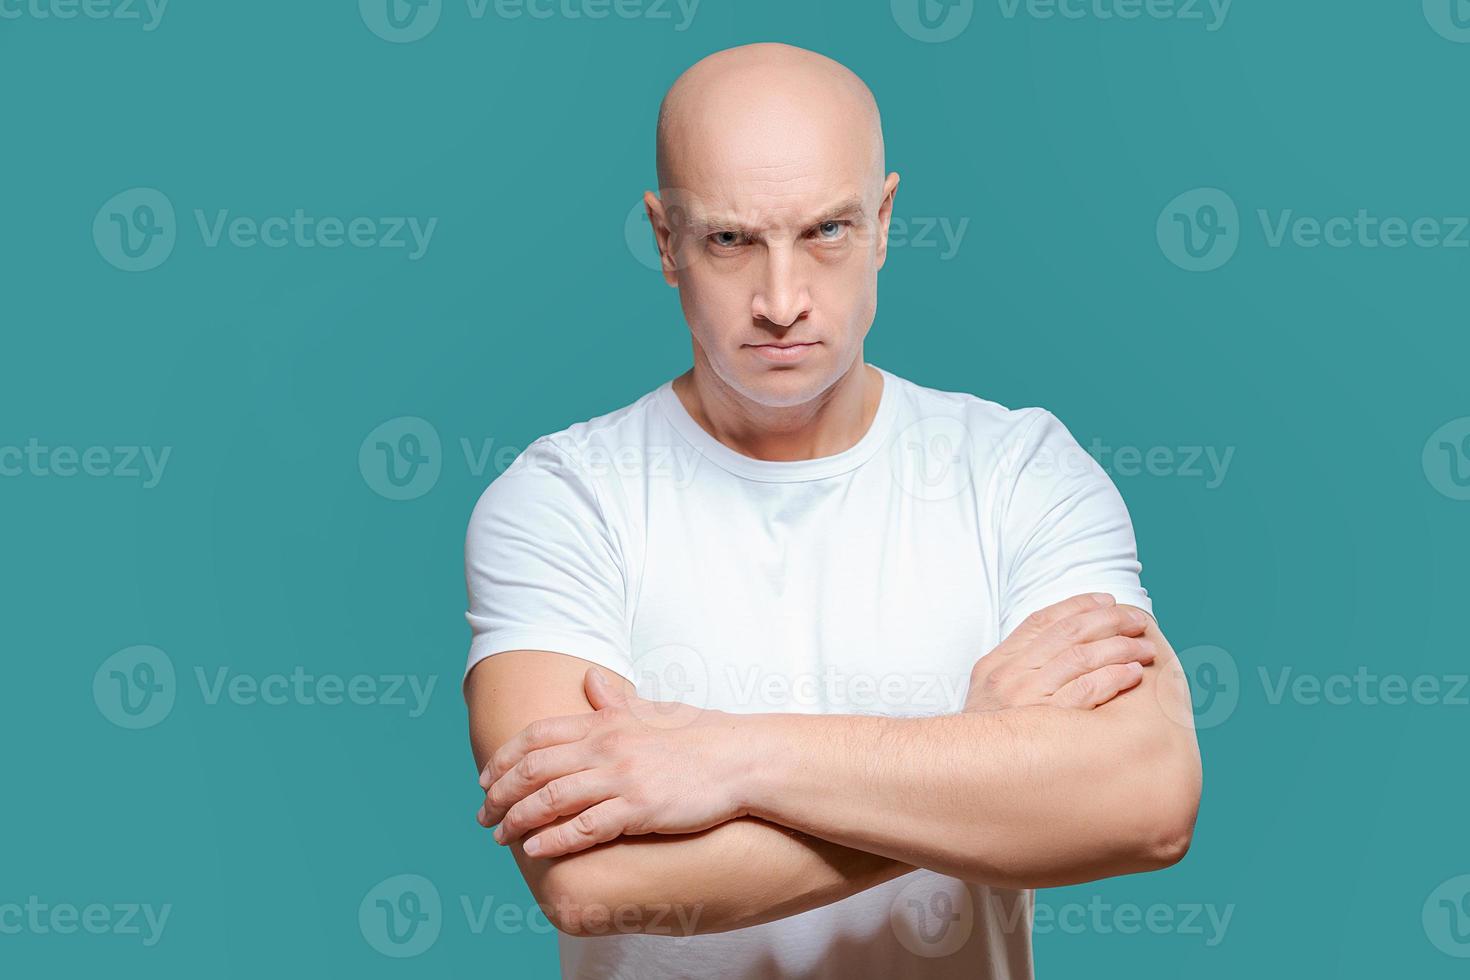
<point x="686" y="799"/>
<point x="741" y="873"/>
<point x="1027" y="797"/>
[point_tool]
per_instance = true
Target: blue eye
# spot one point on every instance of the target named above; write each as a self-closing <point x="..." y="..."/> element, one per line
<point x="837" y="226"/>
<point x="717" y="235"/>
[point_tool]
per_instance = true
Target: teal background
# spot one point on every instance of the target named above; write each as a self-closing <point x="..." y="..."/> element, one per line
<point x="1327" y="546"/>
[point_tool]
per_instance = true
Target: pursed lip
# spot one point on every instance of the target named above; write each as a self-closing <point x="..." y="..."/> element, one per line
<point x="785" y="344"/>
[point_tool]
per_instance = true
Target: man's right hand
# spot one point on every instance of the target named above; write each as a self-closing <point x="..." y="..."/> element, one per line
<point x="1079" y="653"/>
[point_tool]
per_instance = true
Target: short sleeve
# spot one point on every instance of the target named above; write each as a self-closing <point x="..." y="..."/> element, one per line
<point x="1065" y="529"/>
<point x="542" y="567"/>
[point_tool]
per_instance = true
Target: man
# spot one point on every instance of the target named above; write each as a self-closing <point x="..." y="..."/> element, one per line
<point x="896" y="667"/>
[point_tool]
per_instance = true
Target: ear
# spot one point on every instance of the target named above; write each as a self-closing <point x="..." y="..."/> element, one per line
<point x="600" y="690"/>
<point x="885" y="217"/>
<point x="663" y="235"/>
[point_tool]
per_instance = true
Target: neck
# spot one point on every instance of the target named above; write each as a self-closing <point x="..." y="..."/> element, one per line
<point x="828" y="424"/>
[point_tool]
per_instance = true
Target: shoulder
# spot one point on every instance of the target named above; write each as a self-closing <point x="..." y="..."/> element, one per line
<point x="564" y="475"/>
<point x="999" y="440"/>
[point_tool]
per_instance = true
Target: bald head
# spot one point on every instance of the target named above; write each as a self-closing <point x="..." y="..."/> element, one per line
<point x="766" y="106"/>
<point x="772" y="221"/>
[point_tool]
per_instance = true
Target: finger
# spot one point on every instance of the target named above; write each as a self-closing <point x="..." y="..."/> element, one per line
<point x="1099" y="687"/>
<point x="536" y="735"/>
<point x="1043" y="619"/>
<point x="600" y="691"/>
<point x="603" y="822"/>
<point x="1084" y="658"/>
<point x="1098" y="624"/>
<point x="534" y="771"/>
<point x="558" y="798"/>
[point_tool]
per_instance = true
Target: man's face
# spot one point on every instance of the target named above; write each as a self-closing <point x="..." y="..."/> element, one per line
<point x="777" y="245"/>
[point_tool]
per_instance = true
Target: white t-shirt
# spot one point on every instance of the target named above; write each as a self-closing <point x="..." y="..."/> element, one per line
<point x="869" y="581"/>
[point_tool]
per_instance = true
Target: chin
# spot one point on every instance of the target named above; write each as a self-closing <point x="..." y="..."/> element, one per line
<point x="784" y="386"/>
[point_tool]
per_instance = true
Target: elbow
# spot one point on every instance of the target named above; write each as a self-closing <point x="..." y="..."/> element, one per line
<point x="560" y="908"/>
<point x="570" y="895"/>
<point x="1168" y="847"/>
<point x="1170" y="832"/>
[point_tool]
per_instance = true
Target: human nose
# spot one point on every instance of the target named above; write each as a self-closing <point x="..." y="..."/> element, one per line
<point x="782" y="297"/>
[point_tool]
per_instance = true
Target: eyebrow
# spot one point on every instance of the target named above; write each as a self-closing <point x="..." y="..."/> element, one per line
<point x="848" y="207"/>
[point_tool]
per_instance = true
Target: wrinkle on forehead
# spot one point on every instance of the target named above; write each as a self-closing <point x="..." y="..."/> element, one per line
<point x="771" y="124"/>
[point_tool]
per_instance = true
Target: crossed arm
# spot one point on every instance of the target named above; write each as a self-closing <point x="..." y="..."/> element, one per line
<point x="1070" y="763"/>
<point x="740" y="873"/>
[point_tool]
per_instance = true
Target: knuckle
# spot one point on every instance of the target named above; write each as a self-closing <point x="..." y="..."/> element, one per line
<point x="1077" y="657"/>
<point x="611" y="743"/>
<point x="536" y="731"/>
<point x="1079" y="604"/>
<point x="1070" y="629"/>
<point x="584" y="824"/>
<point x="552" y="794"/>
<point x="530" y="766"/>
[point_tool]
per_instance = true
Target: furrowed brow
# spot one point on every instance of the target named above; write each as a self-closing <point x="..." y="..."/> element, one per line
<point x="851" y="207"/>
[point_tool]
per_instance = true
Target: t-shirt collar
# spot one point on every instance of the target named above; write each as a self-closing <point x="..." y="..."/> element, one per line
<point x="783" y="471"/>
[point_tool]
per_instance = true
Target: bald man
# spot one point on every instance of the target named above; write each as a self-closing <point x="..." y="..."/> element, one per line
<point x="794" y="667"/>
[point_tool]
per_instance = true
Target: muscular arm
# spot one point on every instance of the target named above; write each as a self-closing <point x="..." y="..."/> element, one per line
<point x="740" y="873"/>
<point x="1028" y="796"/>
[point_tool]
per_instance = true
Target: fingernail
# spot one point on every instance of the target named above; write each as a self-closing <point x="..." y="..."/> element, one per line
<point x="533" y="846"/>
<point x="480" y="816"/>
<point x="1136" y="617"/>
<point x="499" y="835"/>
